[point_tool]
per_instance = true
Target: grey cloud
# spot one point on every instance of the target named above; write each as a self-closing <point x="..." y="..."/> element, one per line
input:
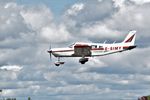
<point x="125" y="63"/>
<point x="11" y="21"/>
<point x="37" y="17"/>
<point x="129" y="16"/>
<point x="87" y="18"/>
<point x="6" y="1"/>
<point x="132" y="17"/>
<point x="87" y="15"/>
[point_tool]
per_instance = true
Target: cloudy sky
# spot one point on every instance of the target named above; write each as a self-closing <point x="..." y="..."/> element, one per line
<point x="28" y="27"/>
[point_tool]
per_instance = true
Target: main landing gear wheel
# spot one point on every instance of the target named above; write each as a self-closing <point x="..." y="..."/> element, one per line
<point x="83" y="60"/>
<point x="56" y="64"/>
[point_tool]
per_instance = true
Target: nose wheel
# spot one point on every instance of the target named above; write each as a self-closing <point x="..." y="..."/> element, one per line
<point x="58" y="63"/>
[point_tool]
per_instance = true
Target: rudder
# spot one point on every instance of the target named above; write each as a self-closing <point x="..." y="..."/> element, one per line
<point x="130" y="38"/>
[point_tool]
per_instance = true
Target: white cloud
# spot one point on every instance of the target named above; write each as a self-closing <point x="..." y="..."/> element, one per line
<point x="8" y="92"/>
<point x="99" y="31"/>
<point x="74" y="89"/>
<point x="140" y="2"/>
<point x="11" y="68"/>
<point x="8" y="75"/>
<point x="90" y="21"/>
<point x="93" y="63"/>
<point x="37" y="17"/>
<point x="123" y="21"/>
<point x="75" y="9"/>
<point x="11" y="21"/>
<point x="126" y="63"/>
<point x="10" y="5"/>
<point x="54" y="32"/>
<point x="119" y="3"/>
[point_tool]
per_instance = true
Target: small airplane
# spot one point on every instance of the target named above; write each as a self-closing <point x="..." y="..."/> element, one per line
<point x="86" y="50"/>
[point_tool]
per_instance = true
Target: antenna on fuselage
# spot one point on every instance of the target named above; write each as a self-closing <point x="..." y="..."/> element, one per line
<point x="114" y="42"/>
<point x="105" y="41"/>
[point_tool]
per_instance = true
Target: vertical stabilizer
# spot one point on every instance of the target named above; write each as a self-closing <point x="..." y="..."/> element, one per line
<point x="130" y="38"/>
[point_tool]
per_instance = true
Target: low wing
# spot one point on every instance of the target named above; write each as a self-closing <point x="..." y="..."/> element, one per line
<point x="82" y="50"/>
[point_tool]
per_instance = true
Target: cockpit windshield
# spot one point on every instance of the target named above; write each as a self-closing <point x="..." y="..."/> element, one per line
<point x="71" y="45"/>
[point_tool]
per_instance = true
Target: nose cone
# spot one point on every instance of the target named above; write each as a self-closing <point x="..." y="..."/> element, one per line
<point x="49" y="51"/>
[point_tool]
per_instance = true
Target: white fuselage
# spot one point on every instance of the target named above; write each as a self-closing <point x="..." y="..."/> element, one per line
<point x="97" y="49"/>
<point x="84" y="50"/>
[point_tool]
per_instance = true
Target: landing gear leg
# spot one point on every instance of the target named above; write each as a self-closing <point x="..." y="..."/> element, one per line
<point x="57" y="62"/>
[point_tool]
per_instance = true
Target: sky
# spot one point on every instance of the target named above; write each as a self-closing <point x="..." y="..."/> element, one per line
<point x="56" y="6"/>
<point x="27" y="28"/>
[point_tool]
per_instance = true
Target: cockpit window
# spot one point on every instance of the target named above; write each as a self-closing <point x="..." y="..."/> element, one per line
<point x="71" y="45"/>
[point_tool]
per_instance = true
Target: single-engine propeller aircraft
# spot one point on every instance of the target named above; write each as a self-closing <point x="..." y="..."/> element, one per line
<point x="86" y="50"/>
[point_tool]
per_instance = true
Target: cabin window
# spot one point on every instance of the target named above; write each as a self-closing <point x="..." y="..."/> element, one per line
<point x="94" y="46"/>
<point x="100" y="46"/>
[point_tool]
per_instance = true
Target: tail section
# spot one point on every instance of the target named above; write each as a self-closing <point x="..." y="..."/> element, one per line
<point x="130" y="38"/>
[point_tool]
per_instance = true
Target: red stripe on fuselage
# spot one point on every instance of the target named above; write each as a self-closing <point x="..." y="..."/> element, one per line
<point x="125" y="47"/>
<point x="73" y="50"/>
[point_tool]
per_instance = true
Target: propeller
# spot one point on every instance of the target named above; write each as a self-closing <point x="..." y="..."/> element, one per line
<point x="50" y="55"/>
<point x="50" y="52"/>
